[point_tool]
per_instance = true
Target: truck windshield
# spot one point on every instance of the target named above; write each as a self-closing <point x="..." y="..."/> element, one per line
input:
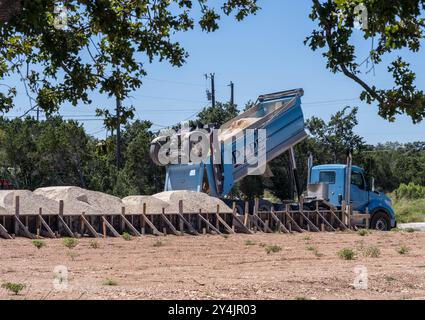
<point x="328" y="177"/>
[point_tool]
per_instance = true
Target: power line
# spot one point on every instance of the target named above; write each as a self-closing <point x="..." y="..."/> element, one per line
<point x="174" y="82"/>
<point x="171" y="99"/>
<point x="330" y="101"/>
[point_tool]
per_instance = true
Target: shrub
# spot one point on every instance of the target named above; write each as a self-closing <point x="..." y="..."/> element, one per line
<point x="273" y="249"/>
<point x="110" y="282"/>
<point x="158" y="243"/>
<point x="38" y="244"/>
<point x="363" y="232"/>
<point x="372" y="252"/>
<point x="409" y="203"/>
<point x="15" y="288"/>
<point x="410" y="191"/>
<point x="94" y="244"/>
<point x="315" y="251"/>
<point x="347" y="254"/>
<point x="126" y="236"/>
<point x="249" y="243"/>
<point x="70" y="243"/>
<point x="403" y="250"/>
<point x="73" y="255"/>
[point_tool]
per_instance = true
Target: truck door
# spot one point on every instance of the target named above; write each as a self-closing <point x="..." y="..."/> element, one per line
<point x="359" y="193"/>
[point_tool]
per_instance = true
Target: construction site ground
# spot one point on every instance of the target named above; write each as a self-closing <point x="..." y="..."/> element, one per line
<point x="214" y="267"/>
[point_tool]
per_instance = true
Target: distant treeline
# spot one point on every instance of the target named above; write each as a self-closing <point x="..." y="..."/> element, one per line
<point x="56" y="152"/>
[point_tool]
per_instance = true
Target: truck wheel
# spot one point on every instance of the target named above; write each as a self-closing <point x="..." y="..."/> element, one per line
<point x="381" y="222"/>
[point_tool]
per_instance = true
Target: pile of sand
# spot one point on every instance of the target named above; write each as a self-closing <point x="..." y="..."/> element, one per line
<point x="192" y="202"/>
<point x="29" y="203"/>
<point x="134" y="204"/>
<point x="78" y="200"/>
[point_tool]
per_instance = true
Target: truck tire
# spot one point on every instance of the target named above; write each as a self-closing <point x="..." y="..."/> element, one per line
<point x="380" y="221"/>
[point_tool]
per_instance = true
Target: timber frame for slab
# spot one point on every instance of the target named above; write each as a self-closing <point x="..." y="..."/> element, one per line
<point x="41" y="225"/>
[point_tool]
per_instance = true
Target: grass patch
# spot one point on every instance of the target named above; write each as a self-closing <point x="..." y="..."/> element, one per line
<point x="410" y="230"/>
<point x="38" y="244"/>
<point x="315" y="251"/>
<point x="70" y="243"/>
<point x="409" y="210"/>
<point x="273" y="249"/>
<point x="372" y="252"/>
<point x="126" y="236"/>
<point x="403" y="250"/>
<point x="73" y="255"/>
<point x="250" y="243"/>
<point x="390" y="279"/>
<point x="14" y="288"/>
<point x="94" y="244"/>
<point x="110" y="282"/>
<point x="363" y="232"/>
<point x="307" y="238"/>
<point x="301" y="298"/>
<point x="225" y="236"/>
<point x="347" y="254"/>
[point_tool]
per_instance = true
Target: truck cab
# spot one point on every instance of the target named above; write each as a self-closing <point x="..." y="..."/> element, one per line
<point x="337" y="181"/>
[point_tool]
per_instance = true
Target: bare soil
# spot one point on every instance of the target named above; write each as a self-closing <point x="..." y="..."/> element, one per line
<point x="214" y="267"/>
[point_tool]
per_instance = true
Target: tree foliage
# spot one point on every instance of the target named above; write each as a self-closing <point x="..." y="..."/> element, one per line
<point x="103" y="45"/>
<point x="391" y="26"/>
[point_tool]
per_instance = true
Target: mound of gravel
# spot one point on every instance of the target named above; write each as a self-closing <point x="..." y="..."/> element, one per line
<point x="192" y="202"/>
<point x="134" y="204"/>
<point x="29" y="203"/>
<point x="78" y="200"/>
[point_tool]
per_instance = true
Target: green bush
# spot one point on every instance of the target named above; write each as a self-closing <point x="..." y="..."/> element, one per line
<point x="403" y="250"/>
<point x="38" y="244"/>
<point x="110" y="282"/>
<point x="410" y="191"/>
<point x="372" y="252"/>
<point x="347" y="254"/>
<point x="70" y="243"/>
<point x="94" y="244"/>
<point x="13" y="287"/>
<point x="158" y="243"/>
<point x="273" y="249"/>
<point x="409" y="203"/>
<point x="249" y="243"/>
<point x="363" y="232"/>
<point x="126" y="236"/>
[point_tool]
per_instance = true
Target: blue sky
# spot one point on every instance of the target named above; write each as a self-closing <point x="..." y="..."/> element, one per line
<point x="262" y="54"/>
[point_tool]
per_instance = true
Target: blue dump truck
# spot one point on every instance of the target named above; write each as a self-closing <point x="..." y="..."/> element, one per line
<point x="336" y="183"/>
<point x="212" y="160"/>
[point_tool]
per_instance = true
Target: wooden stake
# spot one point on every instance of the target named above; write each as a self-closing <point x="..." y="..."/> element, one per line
<point x="110" y="227"/>
<point x="46" y="226"/>
<point x="89" y="226"/>
<point x="169" y="224"/>
<point x="152" y="226"/>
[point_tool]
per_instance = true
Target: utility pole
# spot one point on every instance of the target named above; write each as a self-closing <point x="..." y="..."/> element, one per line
<point x="118" y="148"/>
<point x="38" y="113"/>
<point x="232" y="93"/>
<point x="213" y="89"/>
<point x="211" y="96"/>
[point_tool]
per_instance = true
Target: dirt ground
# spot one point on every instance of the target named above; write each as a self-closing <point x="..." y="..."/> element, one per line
<point x="214" y="267"/>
